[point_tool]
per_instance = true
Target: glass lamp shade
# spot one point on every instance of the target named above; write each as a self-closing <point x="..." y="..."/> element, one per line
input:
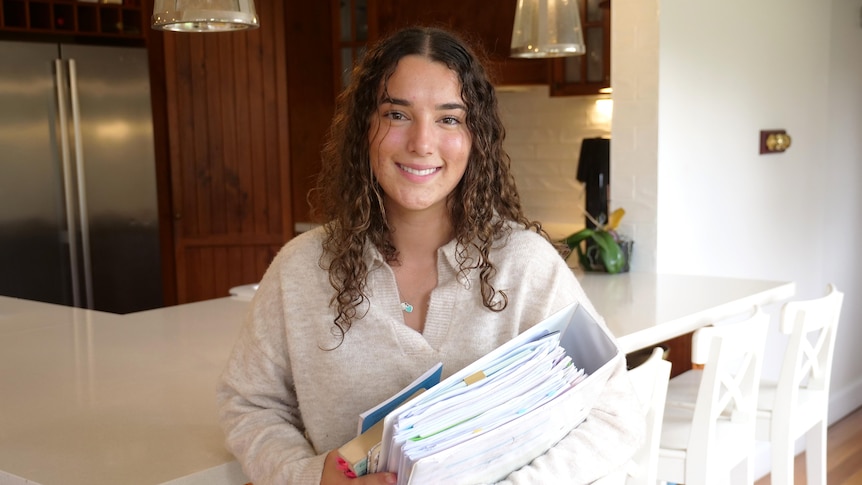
<point x="204" y="15"/>
<point x="547" y="28"/>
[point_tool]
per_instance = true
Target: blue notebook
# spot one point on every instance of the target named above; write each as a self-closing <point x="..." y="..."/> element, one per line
<point x="426" y="381"/>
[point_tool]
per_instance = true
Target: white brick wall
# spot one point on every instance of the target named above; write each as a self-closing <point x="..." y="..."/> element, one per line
<point x="543" y="138"/>
<point x="634" y="151"/>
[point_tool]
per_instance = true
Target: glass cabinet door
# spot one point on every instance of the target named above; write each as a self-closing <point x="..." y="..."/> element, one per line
<point x="591" y="72"/>
<point x="351" y="30"/>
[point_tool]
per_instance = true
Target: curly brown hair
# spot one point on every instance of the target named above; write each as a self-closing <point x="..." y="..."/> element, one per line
<point x="347" y="195"/>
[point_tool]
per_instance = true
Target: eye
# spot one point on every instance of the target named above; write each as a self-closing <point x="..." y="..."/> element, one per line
<point x="451" y="120"/>
<point x="394" y="115"/>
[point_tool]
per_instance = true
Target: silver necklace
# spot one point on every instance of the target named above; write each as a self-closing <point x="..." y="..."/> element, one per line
<point x="406" y="307"/>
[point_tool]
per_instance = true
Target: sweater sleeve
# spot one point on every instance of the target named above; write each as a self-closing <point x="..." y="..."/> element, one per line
<point x="258" y="407"/>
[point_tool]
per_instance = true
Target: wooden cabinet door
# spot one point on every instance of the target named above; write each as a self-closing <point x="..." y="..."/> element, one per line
<point x="223" y="152"/>
<point x="120" y="21"/>
<point x="486" y="23"/>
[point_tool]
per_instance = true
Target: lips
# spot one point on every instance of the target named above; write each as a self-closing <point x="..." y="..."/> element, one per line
<point x="418" y="172"/>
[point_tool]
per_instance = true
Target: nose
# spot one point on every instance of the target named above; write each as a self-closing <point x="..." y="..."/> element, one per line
<point x="421" y="138"/>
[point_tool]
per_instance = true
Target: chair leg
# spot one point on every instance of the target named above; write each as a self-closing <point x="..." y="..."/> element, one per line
<point x="815" y="454"/>
<point x="782" y="460"/>
<point x="743" y="472"/>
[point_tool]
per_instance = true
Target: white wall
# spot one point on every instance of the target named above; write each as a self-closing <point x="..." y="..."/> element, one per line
<point x="840" y="178"/>
<point x="694" y="83"/>
<point x="634" y="145"/>
<point x="725" y="71"/>
<point x="728" y="70"/>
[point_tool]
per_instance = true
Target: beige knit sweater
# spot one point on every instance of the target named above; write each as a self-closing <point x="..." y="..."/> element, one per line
<point x="285" y="401"/>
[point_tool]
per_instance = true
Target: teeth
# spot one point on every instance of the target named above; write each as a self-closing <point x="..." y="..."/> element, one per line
<point x="427" y="171"/>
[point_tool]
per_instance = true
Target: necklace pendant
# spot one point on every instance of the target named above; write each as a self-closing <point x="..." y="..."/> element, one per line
<point x="406" y="307"/>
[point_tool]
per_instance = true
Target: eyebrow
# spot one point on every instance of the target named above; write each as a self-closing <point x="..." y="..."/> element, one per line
<point x="404" y="102"/>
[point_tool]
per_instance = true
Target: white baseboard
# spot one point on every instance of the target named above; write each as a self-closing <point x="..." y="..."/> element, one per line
<point x="844" y="401"/>
<point x="762" y="462"/>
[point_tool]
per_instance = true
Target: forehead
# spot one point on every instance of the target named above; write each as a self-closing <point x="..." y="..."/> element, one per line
<point x="419" y="75"/>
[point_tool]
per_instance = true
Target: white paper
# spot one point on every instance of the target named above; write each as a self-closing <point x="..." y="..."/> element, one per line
<point x="484" y="431"/>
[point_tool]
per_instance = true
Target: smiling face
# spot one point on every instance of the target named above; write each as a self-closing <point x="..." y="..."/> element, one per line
<point x="419" y="140"/>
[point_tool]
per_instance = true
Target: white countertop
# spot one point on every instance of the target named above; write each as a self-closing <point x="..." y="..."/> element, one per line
<point x="643" y="309"/>
<point x="91" y="398"/>
<point x="96" y="398"/>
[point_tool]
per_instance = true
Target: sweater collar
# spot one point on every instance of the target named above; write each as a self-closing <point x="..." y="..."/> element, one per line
<point x="446" y="255"/>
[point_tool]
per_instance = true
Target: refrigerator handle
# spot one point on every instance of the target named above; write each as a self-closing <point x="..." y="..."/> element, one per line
<point x="82" y="192"/>
<point x="68" y="183"/>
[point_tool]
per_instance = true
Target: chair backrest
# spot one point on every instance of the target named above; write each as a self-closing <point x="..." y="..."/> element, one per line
<point x="729" y="386"/>
<point x="812" y="326"/>
<point x="650" y="382"/>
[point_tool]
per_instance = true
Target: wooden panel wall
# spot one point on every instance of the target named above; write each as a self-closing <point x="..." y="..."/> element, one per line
<point x="226" y="159"/>
<point x="311" y="93"/>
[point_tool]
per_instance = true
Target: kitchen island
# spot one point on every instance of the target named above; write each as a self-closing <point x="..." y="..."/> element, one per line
<point x="95" y="398"/>
<point x="644" y="309"/>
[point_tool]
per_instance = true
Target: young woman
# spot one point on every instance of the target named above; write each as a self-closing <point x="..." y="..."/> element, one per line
<point x="426" y="257"/>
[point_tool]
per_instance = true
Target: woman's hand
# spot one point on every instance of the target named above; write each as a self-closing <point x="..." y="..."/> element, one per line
<point x="333" y="475"/>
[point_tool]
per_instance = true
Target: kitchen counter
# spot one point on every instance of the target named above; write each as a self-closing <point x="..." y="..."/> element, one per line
<point x="95" y="398"/>
<point x="643" y="309"/>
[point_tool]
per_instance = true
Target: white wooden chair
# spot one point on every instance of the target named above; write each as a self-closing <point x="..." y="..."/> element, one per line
<point x="649" y="380"/>
<point x="798" y="403"/>
<point x="710" y="413"/>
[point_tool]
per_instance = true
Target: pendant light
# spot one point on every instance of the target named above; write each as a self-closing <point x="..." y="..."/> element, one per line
<point x="204" y="15"/>
<point x="547" y="28"/>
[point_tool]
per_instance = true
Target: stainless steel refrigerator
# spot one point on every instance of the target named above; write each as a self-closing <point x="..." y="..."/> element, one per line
<point x="78" y="210"/>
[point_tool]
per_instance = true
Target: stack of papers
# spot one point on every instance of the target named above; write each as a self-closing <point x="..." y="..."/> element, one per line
<point x="513" y="385"/>
<point x="499" y="413"/>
